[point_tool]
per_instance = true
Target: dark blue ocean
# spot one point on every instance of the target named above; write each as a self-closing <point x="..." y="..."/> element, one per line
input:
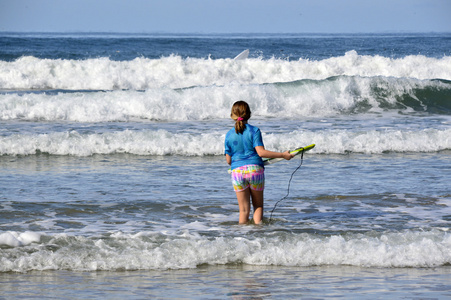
<point x="114" y="183"/>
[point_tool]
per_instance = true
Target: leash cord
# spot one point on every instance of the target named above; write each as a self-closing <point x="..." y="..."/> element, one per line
<point x="289" y="183"/>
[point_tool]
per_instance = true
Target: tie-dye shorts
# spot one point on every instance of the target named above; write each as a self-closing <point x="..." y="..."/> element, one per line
<point x="252" y="176"/>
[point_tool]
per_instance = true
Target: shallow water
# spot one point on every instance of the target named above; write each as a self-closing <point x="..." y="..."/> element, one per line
<point x="349" y="209"/>
<point x="236" y="282"/>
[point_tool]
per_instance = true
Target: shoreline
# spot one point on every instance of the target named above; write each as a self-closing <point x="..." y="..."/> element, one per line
<point x="235" y="281"/>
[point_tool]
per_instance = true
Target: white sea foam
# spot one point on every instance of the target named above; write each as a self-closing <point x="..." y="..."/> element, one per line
<point x="340" y="95"/>
<point x="163" y="142"/>
<point x="176" y="72"/>
<point x="150" y="251"/>
<point x="162" y="104"/>
<point x="16" y="239"/>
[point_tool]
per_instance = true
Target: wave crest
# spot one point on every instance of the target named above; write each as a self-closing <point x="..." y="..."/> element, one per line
<point x="175" y="72"/>
<point x="162" y="142"/>
<point x="298" y="99"/>
<point x="145" y="251"/>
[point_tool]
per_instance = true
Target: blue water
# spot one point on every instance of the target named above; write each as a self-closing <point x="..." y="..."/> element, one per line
<point x="123" y="47"/>
<point x="113" y="175"/>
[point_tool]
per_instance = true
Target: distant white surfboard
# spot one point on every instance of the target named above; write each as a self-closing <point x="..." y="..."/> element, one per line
<point x="242" y="55"/>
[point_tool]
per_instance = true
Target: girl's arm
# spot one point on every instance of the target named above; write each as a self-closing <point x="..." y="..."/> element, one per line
<point x="229" y="159"/>
<point x="262" y="152"/>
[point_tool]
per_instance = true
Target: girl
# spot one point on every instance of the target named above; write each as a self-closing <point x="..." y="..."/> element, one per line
<point x="244" y="150"/>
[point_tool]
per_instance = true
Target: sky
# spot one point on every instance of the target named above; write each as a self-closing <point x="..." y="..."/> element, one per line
<point x="226" y="16"/>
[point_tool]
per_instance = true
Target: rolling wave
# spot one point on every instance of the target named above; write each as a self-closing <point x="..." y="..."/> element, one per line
<point x="162" y="142"/>
<point x="174" y="71"/>
<point x="339" y="95"/>
<point x="146" y="251"/>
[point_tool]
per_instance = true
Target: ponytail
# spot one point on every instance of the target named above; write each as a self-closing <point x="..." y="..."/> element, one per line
<point x="239" y="125"/>
<point x="240" y="113"/>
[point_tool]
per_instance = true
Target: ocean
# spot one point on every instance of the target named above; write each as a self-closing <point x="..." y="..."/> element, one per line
<point x="114" y="183"/>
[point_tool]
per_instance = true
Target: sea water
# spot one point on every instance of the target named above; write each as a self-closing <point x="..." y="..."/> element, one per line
<point x="114" y="183"/>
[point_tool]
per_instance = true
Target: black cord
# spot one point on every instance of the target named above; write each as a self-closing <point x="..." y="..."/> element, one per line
<point x="289" y="183"/>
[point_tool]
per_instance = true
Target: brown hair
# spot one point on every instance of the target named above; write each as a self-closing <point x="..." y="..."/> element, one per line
<point x="240" y="109"/>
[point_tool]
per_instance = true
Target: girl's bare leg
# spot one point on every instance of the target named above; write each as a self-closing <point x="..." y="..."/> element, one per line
<point x="244" y="205"/>
<point x="257" y="202"/>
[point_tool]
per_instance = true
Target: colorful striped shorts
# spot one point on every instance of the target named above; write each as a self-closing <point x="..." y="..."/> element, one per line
<point x="252" y="176"/>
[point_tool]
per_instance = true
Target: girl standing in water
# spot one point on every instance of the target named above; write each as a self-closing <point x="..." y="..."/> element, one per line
<point x="244" y="150"/>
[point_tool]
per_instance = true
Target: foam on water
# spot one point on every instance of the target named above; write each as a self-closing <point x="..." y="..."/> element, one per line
<point x="16" y="239"/>
<point x="175" y="72"/>
<point x="151" y="251"/>
<point x="163" y="142"/>
<point x="299" y="99"/>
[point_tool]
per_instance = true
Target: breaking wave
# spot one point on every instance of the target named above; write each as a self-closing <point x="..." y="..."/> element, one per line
<point x="299" y="99"/>
<point x="155" y="251"/>
<point x="163" y="142"/>
<point x="176" y="72"/>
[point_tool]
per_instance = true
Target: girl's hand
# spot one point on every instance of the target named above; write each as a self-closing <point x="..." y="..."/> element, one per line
<point x="287" y="155"/>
